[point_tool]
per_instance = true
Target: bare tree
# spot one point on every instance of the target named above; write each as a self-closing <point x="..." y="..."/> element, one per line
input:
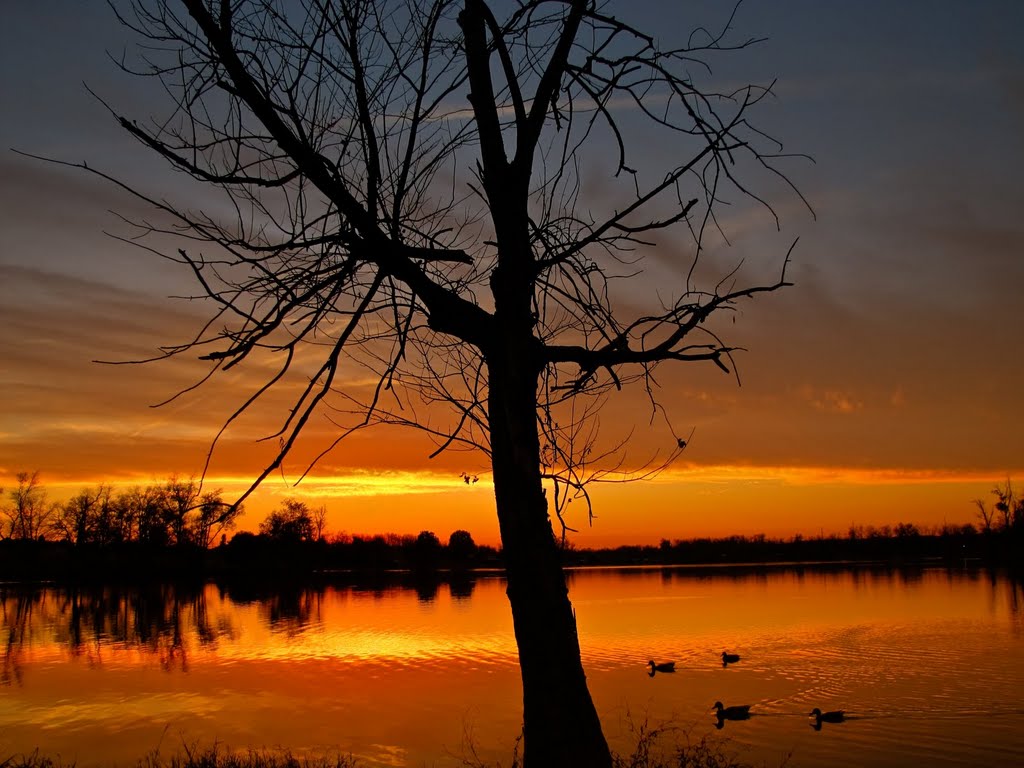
<point x="985" y="514"/>
<point x="29" y="512"/>
<point x="211" y="518"/>
<point x="79" y="519"/>
<point x="411" y="191"/>
<point x="318" y="520"/>
<point x="1008" y="505"/>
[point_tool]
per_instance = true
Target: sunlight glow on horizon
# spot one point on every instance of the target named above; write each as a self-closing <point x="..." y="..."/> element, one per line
<point x="366" y="482"/>
<point x="683" y="502"/>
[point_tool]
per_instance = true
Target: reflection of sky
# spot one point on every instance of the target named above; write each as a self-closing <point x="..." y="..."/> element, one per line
<point x="391" y="627"/>
<point x="895" y="351"/>
<point x="619" y="610"/>
<point x="386" y="674"/>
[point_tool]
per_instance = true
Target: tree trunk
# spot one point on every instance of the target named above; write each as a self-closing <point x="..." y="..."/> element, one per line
<point x="560" y="724"/>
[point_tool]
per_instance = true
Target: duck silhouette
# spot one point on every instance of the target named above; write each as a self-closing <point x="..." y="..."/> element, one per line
<point x="729" y="658"/>
<point x="736" y="712"/>
<point x="835" y="716"/>
<point x="667" y="666"/>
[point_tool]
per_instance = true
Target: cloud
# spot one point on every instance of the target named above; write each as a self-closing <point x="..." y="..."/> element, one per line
<point x="730" y="474"/>
<point x="831" y="400"/>
<point x="366" y="483"/>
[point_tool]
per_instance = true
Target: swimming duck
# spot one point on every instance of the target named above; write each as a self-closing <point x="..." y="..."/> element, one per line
<point x="835" y="716"/>
<point x="667" y="666"/>
<point x="737" y="712"/>
<point x="729" y="658"/>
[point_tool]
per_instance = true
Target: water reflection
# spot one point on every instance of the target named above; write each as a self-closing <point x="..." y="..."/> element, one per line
<point x="162" y="620"/>
<point x="171" y="622"/>
<point x="287" y="609"/>
<point x="168" y="622"/>
<point x="461" y="584"/>
<point x="380" y="663"/>
<point x="17" y="621"/>
<point x="426" y="588"/>
<point x="1014" y="587"/>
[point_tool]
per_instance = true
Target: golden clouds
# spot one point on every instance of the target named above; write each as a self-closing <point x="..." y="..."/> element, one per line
<point x="820" y="475"/>
<point x="832" y="400"/>
<point x="66" y="414"/>
<point x="359" y="483"/>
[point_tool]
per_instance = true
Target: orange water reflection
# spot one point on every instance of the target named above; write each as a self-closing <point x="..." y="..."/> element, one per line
<point x="400" y="673"/>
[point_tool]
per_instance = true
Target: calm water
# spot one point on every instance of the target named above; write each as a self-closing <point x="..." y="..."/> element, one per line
<point x="929" y="664"/>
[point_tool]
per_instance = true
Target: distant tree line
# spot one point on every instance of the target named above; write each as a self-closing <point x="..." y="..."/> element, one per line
<point x="173" y="513"/>
<point x="283" y="546"/>
<point x="997" y="538"/>
<point x="172" y="527"/>
<point x="903" y="543"/>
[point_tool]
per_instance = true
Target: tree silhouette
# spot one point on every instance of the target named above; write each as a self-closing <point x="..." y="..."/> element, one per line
<point x="454" y="196"/>
<point x="29" y="513"/>
<point x="175" y="512"/>
<point x="292" y="522"/>
<point x="81" y="519"/>
<point x="461" y="547"/>
<point x="426" y="550"/>
<point x="318" y="522"/>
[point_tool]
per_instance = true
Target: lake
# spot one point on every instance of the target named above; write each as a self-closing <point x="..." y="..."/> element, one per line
<point x="928" y="664"/>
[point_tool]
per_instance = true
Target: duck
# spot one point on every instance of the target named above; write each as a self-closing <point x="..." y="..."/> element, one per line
<point x="736" y="712"/>
<point x="835" y="716"/>
<point x="729" y="658"/>
<point x="666" y="666"/>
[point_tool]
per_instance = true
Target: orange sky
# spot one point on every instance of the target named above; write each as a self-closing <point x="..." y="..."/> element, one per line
<point x="884" y="387"/>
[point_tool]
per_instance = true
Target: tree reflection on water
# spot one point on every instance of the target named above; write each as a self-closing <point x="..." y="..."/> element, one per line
<point x="168" y="621"/>
<point x="157" y="619"/>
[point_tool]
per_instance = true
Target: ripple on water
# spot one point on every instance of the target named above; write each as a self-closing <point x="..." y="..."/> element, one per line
<point x="931" y="672"/>
<point x="920" y="670"/>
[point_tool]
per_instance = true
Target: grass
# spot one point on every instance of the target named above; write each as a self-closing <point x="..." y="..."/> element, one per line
<point x="659" y="746"/>
<point x="214" y="757"/>
<point x="665" y="745"/>
<point x="668" y="746"/>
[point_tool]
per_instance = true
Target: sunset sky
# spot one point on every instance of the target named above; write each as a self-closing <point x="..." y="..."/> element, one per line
<point x="885" y="386"/>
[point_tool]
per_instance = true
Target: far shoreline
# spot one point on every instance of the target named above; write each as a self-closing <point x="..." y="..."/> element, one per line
<point x="262" y="561"/>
